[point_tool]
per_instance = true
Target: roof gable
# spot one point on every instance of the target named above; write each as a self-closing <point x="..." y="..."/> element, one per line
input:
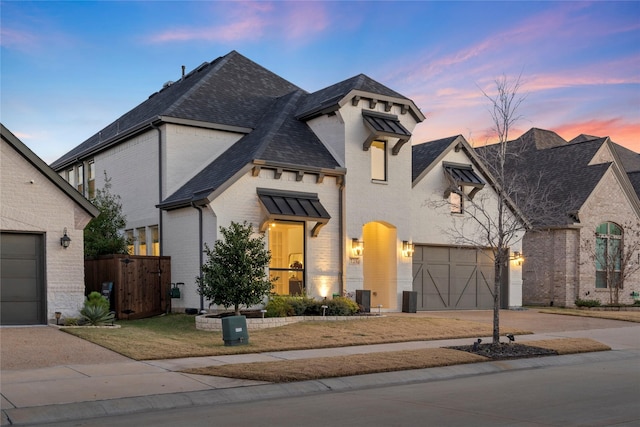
<point x="10" y="139"/>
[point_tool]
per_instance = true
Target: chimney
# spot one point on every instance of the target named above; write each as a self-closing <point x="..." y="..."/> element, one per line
<point x="183" y="67"/>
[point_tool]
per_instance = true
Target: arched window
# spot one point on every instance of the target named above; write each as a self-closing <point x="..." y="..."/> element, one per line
<point x="608" y="255"/>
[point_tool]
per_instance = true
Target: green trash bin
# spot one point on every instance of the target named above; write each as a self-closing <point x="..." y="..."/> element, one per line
<point x="234" y="330"/>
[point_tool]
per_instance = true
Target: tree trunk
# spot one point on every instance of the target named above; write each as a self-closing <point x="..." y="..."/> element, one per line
<point x="496" y="296"/>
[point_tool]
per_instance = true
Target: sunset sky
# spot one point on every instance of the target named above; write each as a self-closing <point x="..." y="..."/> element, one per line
<point x="70" y="68"/>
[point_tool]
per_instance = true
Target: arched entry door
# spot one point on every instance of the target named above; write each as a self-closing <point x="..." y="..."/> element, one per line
<point x="380" y="264"/>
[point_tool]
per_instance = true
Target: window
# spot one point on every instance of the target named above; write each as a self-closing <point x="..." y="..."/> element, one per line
<point x="379" y="161"/>
<point x="456" y="201"/>
<point x="608" y="255"/>
<point x="142" y="241"/>
<point x="131" y="250"/>
<point x="286" y="269"/>
<point x="71" y="177"/>
<point x="80" y="180"/>
<point x="155" y="241"/>
<point x="91" y="180"/>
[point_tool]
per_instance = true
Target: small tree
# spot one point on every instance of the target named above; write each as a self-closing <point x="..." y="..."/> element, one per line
<point x="235" y="271"/>
<point x="103" y="234"/>
<point x="614" y="258"/>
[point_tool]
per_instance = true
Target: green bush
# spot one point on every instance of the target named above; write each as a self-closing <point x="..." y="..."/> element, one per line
<point x="587" y="303"/>
<point x="279" y="306"/>
<point x="284" y="305"/>
<point x="341" y="306"/>
<point x="95" y="299"/>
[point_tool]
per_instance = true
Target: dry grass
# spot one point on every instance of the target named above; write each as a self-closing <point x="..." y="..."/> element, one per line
<point x="570" y="345"/>
<point x="627" y="316"/>
<point x="175" y="336"/>
<point x="338" y="366"/>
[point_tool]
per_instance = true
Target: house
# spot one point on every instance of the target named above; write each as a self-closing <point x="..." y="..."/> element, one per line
<point x="42" y="219"/>
<point x="593" y="212"/>
<point x="326" y="176"/>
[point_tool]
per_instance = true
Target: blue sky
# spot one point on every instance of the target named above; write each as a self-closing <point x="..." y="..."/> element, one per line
<point x="70" y="68"/>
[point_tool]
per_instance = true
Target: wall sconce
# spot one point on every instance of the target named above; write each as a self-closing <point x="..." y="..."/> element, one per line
<point x="407" y="248"/>
<point x="357" y="247"/>
<point x="65" y="240"/>
<point x="517" y="257"/>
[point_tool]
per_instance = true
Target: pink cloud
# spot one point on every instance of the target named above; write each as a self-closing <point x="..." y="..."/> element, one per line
<point x="620" y="131"/>
<point x="16" y="39"/>
<point x="252" y="20"/>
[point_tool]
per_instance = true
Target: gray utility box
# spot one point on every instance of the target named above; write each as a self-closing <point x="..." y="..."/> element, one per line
<point x="234" y="330"/>
<point x="409" y="301"/>
<point x="363" y="298"/>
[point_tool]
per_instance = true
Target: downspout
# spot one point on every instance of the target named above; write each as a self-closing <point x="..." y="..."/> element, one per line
<point x="160" y="189"/>
<point x="200" y="248"/>
<point x="341" y="238"/>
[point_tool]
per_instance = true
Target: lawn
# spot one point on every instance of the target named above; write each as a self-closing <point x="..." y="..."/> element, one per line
<point x="627" y="316"/>
<point x="175" y="335"/>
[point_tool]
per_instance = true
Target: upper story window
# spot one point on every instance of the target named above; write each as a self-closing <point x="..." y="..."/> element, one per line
<point x="142" y="241"/>
<point x="155" y="241"/>
<point x="456" y="201"/>
<point x="131" y="250"/>
<point x="379" y="161"/>
<point x="608" y="255"/>
<point x="91" y="180"/>
<point x="80" y="178"/>
<point x="71" y="177"/>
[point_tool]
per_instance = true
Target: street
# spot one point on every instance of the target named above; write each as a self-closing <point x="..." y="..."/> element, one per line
<point x="597" y="393"/>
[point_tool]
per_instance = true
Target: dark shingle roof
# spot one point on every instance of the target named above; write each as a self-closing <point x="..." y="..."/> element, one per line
<point x="279" y="138"/>
<point x="329" y="96"/>
<point x="422" y="155"/>
<point x="231" y="90"/>
<point x="561" y="168"/>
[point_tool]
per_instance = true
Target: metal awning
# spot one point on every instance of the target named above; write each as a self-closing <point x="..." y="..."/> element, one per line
<point x="462" y="175"/>
<point x="384" y="125"/>
<point x="292" y="205"/>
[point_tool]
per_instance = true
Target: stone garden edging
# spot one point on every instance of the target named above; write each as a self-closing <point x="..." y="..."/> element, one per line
<point x="206" y="323"/>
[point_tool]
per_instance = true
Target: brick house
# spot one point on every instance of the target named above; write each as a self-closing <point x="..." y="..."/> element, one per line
<point x="593" y="186"/>
<point x="39" y="209"/>
<point x="326" y="176"/>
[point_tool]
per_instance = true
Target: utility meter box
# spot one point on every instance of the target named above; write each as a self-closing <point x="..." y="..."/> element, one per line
<point x="234" y="330"/>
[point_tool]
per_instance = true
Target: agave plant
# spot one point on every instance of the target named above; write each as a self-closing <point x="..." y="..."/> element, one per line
<point x="97" y="315"/>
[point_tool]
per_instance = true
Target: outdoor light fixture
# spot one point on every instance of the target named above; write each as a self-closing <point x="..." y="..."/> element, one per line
<point x="357" y="247"/>
<point x="58" y="314"/>
<point x="65" y="240"/>
<point x="517" y="257"/>
<point x="407" y="248"/>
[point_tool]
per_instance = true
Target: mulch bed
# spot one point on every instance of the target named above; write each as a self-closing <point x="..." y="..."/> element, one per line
<point x="504" y="351"/>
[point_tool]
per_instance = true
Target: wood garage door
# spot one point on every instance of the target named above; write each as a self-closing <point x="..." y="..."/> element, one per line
<point x="22" y="295"/>
<point x="448" y="278"/>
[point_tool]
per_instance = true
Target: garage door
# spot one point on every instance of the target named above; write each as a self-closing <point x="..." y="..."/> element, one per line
<point x="22" y="296"/>
<point x="448" y="278"/>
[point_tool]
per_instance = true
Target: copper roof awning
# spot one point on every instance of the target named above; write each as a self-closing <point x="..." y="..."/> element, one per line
<point x="381" y="125"/>
<point x="291" y="205"/>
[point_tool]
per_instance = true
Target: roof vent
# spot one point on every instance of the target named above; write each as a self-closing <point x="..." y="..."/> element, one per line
<point x="167" y="84"/>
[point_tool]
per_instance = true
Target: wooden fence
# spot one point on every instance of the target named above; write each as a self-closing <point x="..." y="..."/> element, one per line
<point x="141" y="284"/>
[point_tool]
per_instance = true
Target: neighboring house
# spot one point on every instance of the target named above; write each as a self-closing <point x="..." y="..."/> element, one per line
<point x="39" y="212"/>
<point x="327" y="176"/>
<point x="593" y="186"/>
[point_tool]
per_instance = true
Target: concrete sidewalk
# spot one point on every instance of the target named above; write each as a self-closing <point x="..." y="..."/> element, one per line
<point x="120" y="385"/>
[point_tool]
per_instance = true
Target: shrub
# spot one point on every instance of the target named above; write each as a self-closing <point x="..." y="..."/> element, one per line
<point x="97" y="315"/>
<point x="96" y="310"/>
<point x="341" y="306"/>
<point x="279" y="306"/>
<point x="587" y="303"/>
<point x="71" y="321"/>
<point x="95" y="299"/>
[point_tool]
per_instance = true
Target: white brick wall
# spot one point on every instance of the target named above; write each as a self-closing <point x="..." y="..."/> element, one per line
<point x="32" y="203"/>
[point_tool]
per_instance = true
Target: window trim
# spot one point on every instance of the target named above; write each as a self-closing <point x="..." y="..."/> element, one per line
<point x="385" y="160"/>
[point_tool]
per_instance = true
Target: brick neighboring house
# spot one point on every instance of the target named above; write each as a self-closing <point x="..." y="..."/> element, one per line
<point x="38" y="275"/>
<point x="326" y="176"/>
<point x="594" y="185"/>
